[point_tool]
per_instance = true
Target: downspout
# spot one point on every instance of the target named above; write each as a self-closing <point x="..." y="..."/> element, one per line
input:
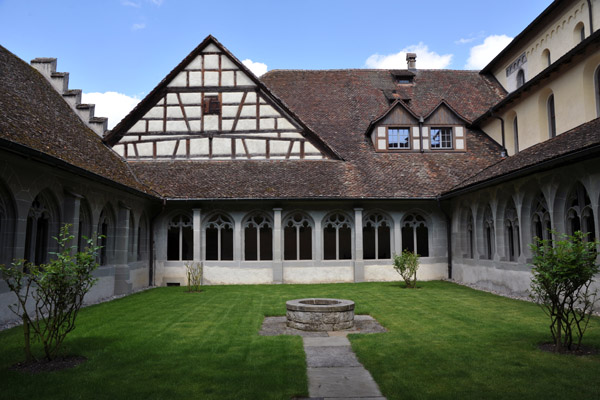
<point x="504" y="152"/>
<point x="591" y="18"/>
<point x="448" y="235"/>
<point x="421" y="133"/>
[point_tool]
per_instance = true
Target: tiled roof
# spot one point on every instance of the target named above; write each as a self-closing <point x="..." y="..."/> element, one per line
<point x="339" y="105"/>
<point x="35" y="117"/>
<point x="582" y="139"/>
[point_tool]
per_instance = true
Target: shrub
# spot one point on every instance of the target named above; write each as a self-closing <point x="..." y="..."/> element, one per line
<point x="194" y="276"/>
<point x="407" y="264"/>
<point x="563" y="272"/>
<point x="53" y="291"/>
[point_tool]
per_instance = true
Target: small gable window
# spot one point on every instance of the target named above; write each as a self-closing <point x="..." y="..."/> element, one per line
<point x="398" y="138"/>
<point x="441" y="138"/>
<point x="211" y="105"/>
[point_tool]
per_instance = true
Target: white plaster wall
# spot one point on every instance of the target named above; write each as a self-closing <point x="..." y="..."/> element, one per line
<point x="387" y="273"/>
<point x="318" y="274"/>
<point x="490" y="278"/>
<point x="214" y="275"/>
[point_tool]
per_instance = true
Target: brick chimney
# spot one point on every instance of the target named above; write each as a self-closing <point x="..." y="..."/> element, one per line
<point x="411" y="60"/>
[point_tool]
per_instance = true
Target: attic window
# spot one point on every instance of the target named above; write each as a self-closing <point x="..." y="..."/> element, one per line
<point x="404" y="79"/>
<point x="403" y="76"/>
<point x="211" y="105"/>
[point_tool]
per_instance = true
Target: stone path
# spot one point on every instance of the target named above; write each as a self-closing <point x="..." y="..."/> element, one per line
<point x="333" y="370"/>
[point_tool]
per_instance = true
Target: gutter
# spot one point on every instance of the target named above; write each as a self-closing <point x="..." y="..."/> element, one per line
<point x="569" y="158"/>
<point x="591" y="17"/>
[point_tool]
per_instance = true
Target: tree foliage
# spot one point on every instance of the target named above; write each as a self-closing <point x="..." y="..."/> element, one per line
<point x="407" y="264"/>
<point x="563" y="272"/>
<point x="49" y="296"/>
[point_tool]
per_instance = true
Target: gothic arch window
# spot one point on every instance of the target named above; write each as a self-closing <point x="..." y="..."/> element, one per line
<point x="580" y="216"/>
<point x="258" y="237"/>
<point x="470" y="236"/>
<point x="579" y="33"/>
<point x="415" y="236"/>
<point x="488" y="232"/>
<point x="520" y="78"/>
<point x="551" y="116"/>
<point x="541" y="225"/>
<point x="516" y="133"/>
<point x="7" y="226"/>
<point x="512" y="233"/>
<point x="546" y="57"/>
<point x="376" y="237"/>
<point x="219" y="238"/>
<point x="42" y="224"/>
<point x="337" y="237"/>
<point x="84" y="225"/>
<point x="106" y="230"/>
<point x="297" y="237"/>
<point x="142" y="238"/>
<point x="180" y="238"/>
<point x="131" y="242"/>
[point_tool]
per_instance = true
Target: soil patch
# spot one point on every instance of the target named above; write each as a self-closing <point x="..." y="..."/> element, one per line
<point x="59" y="363"/>
<point x="583" y="350"/>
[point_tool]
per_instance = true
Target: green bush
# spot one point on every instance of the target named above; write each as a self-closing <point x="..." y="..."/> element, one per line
<point x="563" y="271"/>
<point x="407" y="264"/>
<point x="49" y="296"/>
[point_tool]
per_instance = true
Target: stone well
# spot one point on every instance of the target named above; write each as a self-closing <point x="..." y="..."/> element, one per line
<point x="320" y="314"/>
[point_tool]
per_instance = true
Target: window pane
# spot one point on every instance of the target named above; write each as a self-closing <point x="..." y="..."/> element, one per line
<point x="368" y="243"/>
<point x="329" y="250"/>
<point x="345" y="235"/>
<point x="384" y="243"/>
<point x="441" y="138"/>
<point x="212" y="246"/>
<point x="173" y="244"/>
<point x="266" y="244"/>
<point x="187" y="247"/>
<point x="306" y="243"/>
<point x="227" y="244"/>
<point x="422" y="241"/>
<point x="289" y="243"/>
<point x="250" y="244"/>
<point x="398" y="138"/>
<point x="407" y="239"/>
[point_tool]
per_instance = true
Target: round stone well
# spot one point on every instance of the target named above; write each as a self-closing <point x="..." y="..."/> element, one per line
<point x="317" y="314"/>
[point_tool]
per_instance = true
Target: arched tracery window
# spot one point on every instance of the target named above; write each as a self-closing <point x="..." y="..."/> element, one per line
<point x="258" y="238"/>
<point x="415" y="236"/>
<point x="540" y="219"/>
<point x="180" y="238"/>
<point x="337" y="237"/>
<point x="580" y="216"/>
<point x="512" y="233"/>
<point x="219" y="238"/>
<point x="42" y="224"/>
<point x="520" y="78"/>
<point x="488" y="231"/>
<point x="297" y="237"/>
<point x="551" y="116"/>
<point x="376" y="237"/>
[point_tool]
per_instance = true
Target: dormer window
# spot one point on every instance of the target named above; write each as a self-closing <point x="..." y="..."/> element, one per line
<point x="441" y="138"/>
<point x="403" y="77"/>
<point x="398" y="138"/>
<point x="211" y="105"/>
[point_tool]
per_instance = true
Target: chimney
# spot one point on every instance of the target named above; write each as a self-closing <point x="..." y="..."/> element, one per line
<point x="411" y="60"/>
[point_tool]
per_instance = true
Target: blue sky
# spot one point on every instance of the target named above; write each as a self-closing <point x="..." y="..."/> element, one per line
<point x="128" y="46"/>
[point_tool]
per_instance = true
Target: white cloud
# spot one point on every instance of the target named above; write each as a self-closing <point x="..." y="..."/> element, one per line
<point x="464" y="40"/>
<point x="257" y="68"/>
<point x="482" y="54"/>
<point x="425" y="59"/>
<point x="115" y="106"/>
<point x="137" y="27"/>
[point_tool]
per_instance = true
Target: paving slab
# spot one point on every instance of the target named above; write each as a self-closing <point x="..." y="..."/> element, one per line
<point x="326" y="341"/>
<point x="273" y="326"/>
<point x="330" y="356"/>
<point x="341" y="382"/>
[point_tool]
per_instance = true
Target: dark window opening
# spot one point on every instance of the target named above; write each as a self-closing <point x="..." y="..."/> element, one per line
<point x="345" y="238"/>
<point x="337" y="238"/>
<point x="408" y="242"/>
<point x="211" y="106"/>
<point x="369" y="243"/>
<point x="551" y="117"/>
<point x="212" y="244"/>
<point x="180" y="239"/>
<point x="520" y="78"/>
<point x="329" y="247"/>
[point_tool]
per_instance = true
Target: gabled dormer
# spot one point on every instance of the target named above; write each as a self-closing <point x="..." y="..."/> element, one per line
<point x="399" y="130"/>
<point x="211" y="107"/>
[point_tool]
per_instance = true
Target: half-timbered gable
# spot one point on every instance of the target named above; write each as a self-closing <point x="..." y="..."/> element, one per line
<point x="212" y="107"/>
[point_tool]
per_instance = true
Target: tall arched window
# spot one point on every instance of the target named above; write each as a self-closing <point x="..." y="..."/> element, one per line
<point x="488" y="231"/>
<point x="470" y="237"/>
<point x="516" y="133"/>
<point x="415" y="236"/>
<point x="42" y="224"/>
<point x="258" y="238"/>
<point x="297" y="237"/>
<point x="546" y="57"/>
<point x="580" y="216"/>
<point x="219" y="238"/>
<point x="376" y="237"/>
<point x="541" y="225"/>
<point x="337" y="237"/>
<point x="142" y="238"/>
<point x="180" y="238"/>
<point x="512" y="233"/>
<point x="520" y="78"/>
<point x="579" y="33"/>
<point x="7" y="225"/>
<point x="106" y="227"/>
<point x="551" y="116"/>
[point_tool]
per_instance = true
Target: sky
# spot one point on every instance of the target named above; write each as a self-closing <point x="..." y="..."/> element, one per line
<point x="117" y="51"/>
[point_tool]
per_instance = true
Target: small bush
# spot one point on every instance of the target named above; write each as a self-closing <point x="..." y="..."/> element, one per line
<point x="563" y="272"/>
<point x="407" y="264"/>
<point x="194" y="276"/>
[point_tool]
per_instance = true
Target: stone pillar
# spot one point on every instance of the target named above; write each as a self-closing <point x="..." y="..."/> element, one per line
<point x="72" y="202"/>
<point x="397" y="217"/>
<point x="122" y="279"/>
<point x="277" y="255"/>
<point x="197" y="227"/>
<point x="359" y="264"/>
<point x="318" y="244"/>
<point x="237" y="236"/>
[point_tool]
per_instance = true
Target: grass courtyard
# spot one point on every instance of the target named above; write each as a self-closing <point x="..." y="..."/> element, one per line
<point x="444" y="341"/>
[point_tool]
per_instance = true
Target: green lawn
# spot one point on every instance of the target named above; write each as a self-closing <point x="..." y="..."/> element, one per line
<point x="444" y="341"/>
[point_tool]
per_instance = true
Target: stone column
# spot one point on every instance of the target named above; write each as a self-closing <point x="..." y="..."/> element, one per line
<point x="397" y="217"/>
<point x="237" y="236"/>
<point x="277" y="256"/>
<point x="122" y="278"/>
<point x="318" y="235"/>
<point x="71" y="213"/>
<point x="359" y="264"/>
<point x="197" y="228"/>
